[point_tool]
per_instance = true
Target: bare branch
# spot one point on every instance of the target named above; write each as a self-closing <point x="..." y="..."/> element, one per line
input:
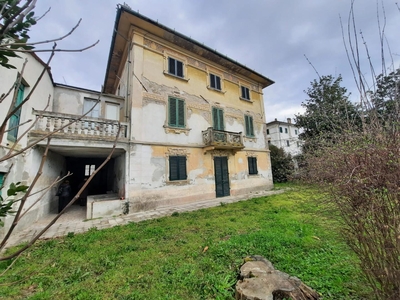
<point x="45" y="191"/>
<point x="42" y="16"/>
<point x="23" y="200"/>
<point x="9" y="155"/>
<point x="17" y="83"/>
<point x="57" y="50"/>
<point x="43" y="42"/>
<point x="30" y="127"/>
<point x="76" y="197"/>
<point x="18" y="16"/>
<point x="15" y="109"/>
<point x="312" y="66"/>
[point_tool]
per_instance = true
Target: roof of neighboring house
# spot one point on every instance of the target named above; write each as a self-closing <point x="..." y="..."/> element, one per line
<point x="85" y="90"/>
<point x="35" y="56"/>
<point x="276" y="122"/>
<point x="125" y="17"/>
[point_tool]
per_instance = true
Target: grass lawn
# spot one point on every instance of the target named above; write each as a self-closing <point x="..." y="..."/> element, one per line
<point x="165" y="258"/>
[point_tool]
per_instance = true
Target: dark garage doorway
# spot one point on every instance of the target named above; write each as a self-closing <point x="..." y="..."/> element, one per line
<point x="81" y="167"/>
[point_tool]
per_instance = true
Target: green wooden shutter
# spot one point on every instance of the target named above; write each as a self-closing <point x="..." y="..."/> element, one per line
<point x="172" y="118"/>
<point x="177" y="168"/>
<point x="251" y="126"/>
<point x="171" y="65"/>
<point x="182" y="167"/>
<point x="176" y="113"/>
<point x="179" y="68"/>
<point x="181" y="113"/>
<point x="221" y="119"/>
<point x="173" y="168"/>
<point x="218" y="118"/>
<point x="15" y="118"/>
<point x="252" y="162"/>
<point x="1" y="181"/>
<point x="212" y="80"/>
<point x="218" y="82"/>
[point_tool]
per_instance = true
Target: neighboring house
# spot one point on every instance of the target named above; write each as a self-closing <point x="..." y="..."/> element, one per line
<point x="193" y="125"/>
<point x="284" y="135"/>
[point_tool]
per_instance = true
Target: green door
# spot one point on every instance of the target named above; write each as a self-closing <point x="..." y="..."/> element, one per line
<point x="221" y="176"/>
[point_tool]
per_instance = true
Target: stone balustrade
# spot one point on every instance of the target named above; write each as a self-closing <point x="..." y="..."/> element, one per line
<point x="86" y="126"/>
<point x="221" y="139"/>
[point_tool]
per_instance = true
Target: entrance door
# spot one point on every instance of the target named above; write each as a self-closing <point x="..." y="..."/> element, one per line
<point x="221" y="176"/>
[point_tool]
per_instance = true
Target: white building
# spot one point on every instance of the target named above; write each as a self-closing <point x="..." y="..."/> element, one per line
<point x="284" y="135"/>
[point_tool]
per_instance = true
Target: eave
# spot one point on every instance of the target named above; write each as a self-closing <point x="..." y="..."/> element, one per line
<point x="126" y="17"/>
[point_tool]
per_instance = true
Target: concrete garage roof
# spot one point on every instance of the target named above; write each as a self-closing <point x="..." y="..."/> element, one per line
<point x="127" y="17"/>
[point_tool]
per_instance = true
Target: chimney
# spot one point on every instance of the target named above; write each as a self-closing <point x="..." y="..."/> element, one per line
<point x="289" y="120"/>
<point x="276" y="119"/>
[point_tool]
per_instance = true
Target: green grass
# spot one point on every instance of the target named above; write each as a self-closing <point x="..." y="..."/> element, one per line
<point x="164" y="258"/>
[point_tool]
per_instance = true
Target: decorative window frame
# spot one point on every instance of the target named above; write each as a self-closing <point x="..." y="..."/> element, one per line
<point x="241" y="85"/>
<point x="209" y="73"/>
<point x="171" y="129"/>
<point x="221" y="153"/>
<point x="255" y="155"/>
<point x="184" y="66"/>
<point x="176" y="152"/>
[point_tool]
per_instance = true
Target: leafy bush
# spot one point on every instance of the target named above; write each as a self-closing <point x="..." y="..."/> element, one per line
<point x="281" y="163"/>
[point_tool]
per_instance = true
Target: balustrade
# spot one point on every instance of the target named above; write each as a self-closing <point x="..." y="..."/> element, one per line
<point x="50" y="121"/>
<point x="221" y="139"/>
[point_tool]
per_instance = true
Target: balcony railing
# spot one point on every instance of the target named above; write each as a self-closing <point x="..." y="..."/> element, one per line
<point x="88" y="127"/>
<point x="220" y="139"/>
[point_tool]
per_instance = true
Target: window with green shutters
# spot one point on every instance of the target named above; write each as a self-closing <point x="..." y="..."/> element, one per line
<point x="177" y="168"/>
<point x="176" y="112"/>
<point x="218" y="118"/>
<point x="252" y="161"/>
<point x="13" y="124"/>
<point x="249" y="126"/>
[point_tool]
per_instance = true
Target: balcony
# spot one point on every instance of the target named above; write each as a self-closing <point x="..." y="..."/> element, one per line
<point x="85" y="128"/>
<point x="219" y="139"/>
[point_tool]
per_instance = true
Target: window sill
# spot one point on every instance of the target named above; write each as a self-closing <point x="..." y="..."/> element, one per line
<point x="247" y="100"/>
<point x="177" y="77"/>
<point x="178" y="182"/>
<point x="176" y="130"/>
<point x="254" y="175"/>
<point x="215" y="90"/>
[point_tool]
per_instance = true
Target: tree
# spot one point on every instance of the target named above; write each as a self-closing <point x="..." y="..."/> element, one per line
<point x="385" y="99"/>
<point x="281" y="164"/>
<point x="329" y="111"/>
<point x="359" y="167"/>
<point x="15" y="22"/>
<point x="16" y="18"/>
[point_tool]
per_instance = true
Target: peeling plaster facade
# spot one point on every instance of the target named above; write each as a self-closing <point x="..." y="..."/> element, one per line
<point x="137" y="89"/>
<point x="139" y="59"/>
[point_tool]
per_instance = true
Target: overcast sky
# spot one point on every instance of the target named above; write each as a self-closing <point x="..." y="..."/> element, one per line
<point x="271" y="36"/>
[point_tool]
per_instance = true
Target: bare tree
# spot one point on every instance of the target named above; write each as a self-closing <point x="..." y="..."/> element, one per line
<point x="361" y="167"/>
<point x="16" y="18"/>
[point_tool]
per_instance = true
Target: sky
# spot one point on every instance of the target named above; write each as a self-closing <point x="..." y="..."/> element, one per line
<point x="291" y="42"/>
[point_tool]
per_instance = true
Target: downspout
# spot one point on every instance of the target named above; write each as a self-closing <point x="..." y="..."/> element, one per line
<point x="129" y="121"/>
